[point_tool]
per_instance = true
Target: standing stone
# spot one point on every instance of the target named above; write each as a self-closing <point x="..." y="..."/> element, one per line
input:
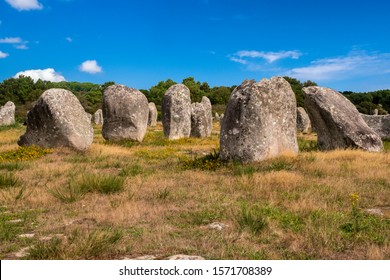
<point x="7" y="114"/>
<point x="58" y="120"/>
<point x="337" y="121"/>
<point x="152" y="120"/>
<point x="199" y="120"/>
<point x="176" y="112"/>
<point x="125" y="114"/>
<point x="375" y="112"/>
<point x="379" y="123"/>
<point x="303" y="120"/>
<point x="259" y="121"/>
<point x="209" y="114"/>
<point x="217" y="118"/>
<point x="98" y="117"/>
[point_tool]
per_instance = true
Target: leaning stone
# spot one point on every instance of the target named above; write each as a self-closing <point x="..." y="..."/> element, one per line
<point x="185" y="257"/>
<point x="259" y="121"/>
<point x="7" y="114"/>
<point x="303" y="121"/>
<point x="379" y="123"/>
<point x="176" y="112"/>
<point x="337" y="121"/>
<point x="125" y="114"/>
<point x="152" y="120"/>
<point x="98" y="117"/>
<point x="58" y="120"/>
<point x="199" y="121"/>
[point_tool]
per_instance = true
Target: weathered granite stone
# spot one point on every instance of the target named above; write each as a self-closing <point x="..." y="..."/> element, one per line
<point x="98" y="117"/>
<point x="58" y="120"/>
<point x="375" y="112"/>
<point x="337" y="121"/>
<point x="259" y="121"/>
<point x="303" y="120"/>
<point x="7" y="114"/>
<point x="379" y="123"/>
<point x="217" y="118"/>
<point x="176" y="112"/>
<point x="152" y="120"/>
<point x="209" y="114"/>
<point x="125" y="114"/>
<point x="199" y="121"/>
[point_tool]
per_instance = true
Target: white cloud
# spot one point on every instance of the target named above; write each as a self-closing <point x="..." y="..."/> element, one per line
<point x="354" y="64"/>
<point x="90" y="66"/>
<point x="25" y="5"/>
<point x="11" y="40"/>
<point x="16" y="41"/>
<point x="270" y="57"/>
<point x="48" y="74"/>
<point x="69" y="39"/>
<point x="3" y="54"/>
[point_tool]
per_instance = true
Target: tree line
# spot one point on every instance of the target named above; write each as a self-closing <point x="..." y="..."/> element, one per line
<point x="23" y="91"/>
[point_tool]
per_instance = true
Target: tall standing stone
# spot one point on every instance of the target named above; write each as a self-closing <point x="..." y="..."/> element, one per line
<point x="176" y="112"/>
<point x="303" y="120"/>
<point x="209" y="114"/>
<point x="125" y="114"/>
<point x="259" y="121"/>
<point x="152" y="120"/>
<point x="199" y="120"/>
<point x="7" y="114"/>
<point x="58" y="120"/>
<point x="337" y="121"/>
<point x="98" y="117"/>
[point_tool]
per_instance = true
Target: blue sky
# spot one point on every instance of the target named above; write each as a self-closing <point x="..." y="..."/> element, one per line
<point x="339" y="44"/>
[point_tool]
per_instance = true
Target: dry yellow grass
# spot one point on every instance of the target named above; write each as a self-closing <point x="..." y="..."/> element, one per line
<point x="285" y="208"/>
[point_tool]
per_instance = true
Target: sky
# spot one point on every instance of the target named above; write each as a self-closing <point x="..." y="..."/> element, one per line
<point x="344" y="45"/>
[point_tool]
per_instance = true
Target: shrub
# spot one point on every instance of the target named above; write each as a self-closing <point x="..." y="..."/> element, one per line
<point x="210" y="162"/>
<point x="24" y="153"/>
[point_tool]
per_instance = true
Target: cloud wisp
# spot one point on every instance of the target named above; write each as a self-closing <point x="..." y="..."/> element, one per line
<point x="91" y="67"/>
<point x="3" y="54"/>
<point x="355" y="64"/>
<point x="25" y="5"/>
<point x="244" y="57"/>
<point x="16" y="41"/>
<point x="48" y="74"/>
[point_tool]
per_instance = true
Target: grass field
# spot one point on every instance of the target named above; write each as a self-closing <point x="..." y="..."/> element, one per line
<point x="126" y="200"/>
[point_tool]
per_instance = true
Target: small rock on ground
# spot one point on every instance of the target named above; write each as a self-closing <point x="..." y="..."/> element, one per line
<point x="185" y="257"/>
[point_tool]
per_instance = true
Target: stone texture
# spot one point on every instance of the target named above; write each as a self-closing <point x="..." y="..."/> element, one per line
<point x="7" y="114"/>
<point x="98" y="117"/>
<point x="152" y="120"/>
<point x="201" y="118"/>
<point x="337" y="121"/>
<point x="209" y="114"/>
<point x="303" y="120"/>
<point x="125" y="114"/>
<point x="217" y="118"/>
<point x="259" y="121"/>
<point x="379" y="123"/>
<point x="185" y="257"/>
<point x="58" y="120"/>
<point x="176" y="112"/>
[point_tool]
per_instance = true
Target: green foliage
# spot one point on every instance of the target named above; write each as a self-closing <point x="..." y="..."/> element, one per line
<point x="105" y="184"/>
<point x="297" y="86"/>
<point x="93" y="245"/>
<point x="70" y="193"/>
<point x="210" y="162"/>
<point x="8" y="180"/>
<point x="307" y="145"/>
<point x="251" y="218"/>
<point x="367" y="102"/>
<point x="156" y="93"/>
<point x="24" y="153"/>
